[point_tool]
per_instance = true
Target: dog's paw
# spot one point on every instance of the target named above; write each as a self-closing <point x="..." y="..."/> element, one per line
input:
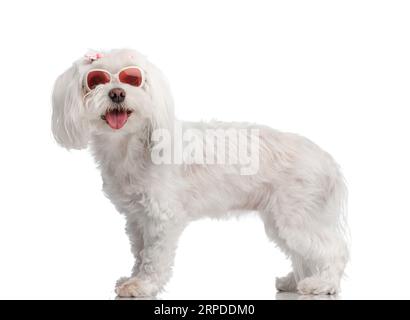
<point x="120" y="281"/>
<point x="316" y="285"/>
<point x="287" y="283"/>
<point x="132" y="288"/>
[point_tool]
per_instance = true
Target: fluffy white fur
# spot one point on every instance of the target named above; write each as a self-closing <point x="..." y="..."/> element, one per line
<point x="298" y="191"/>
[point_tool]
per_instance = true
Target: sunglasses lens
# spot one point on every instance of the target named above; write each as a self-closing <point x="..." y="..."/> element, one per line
<point x="96" y="77"/>
<point x="131" y="76"/>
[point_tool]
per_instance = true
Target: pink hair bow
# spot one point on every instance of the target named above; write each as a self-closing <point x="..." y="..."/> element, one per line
<point x="91" y="57"/>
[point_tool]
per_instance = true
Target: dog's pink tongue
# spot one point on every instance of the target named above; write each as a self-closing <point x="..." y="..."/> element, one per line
<point x="116" y="119"/>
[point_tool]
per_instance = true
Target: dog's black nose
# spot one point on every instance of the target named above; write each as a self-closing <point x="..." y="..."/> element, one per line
<point x="117" y="95"/>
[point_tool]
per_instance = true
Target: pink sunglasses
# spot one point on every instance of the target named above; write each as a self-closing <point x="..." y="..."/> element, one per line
<point x="133" y="76"/>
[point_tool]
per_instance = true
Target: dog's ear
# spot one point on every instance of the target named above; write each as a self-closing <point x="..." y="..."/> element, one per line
<point x="161" y="98"/>
<point x="69" y="125"/>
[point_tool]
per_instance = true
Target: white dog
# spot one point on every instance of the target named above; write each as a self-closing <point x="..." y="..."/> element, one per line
<point x="117" y="102"/>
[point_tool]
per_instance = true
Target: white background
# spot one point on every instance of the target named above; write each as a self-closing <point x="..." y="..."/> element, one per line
<point x="337" y="72"/>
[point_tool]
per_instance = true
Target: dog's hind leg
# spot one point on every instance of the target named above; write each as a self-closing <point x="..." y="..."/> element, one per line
<point x="318" y="259"/>
<point x="289" y="282"/>
<point x="310" y="232"/>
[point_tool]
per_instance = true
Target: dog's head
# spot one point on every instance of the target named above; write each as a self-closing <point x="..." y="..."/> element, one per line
<point x="115" y="92"/>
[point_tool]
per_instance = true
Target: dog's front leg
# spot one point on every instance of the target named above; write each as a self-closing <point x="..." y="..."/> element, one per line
<point x="157" y="258"/>
<point x="135" y="234"/>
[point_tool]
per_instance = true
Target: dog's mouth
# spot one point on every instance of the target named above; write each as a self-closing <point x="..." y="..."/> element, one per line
<point x="116" y="118"/>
